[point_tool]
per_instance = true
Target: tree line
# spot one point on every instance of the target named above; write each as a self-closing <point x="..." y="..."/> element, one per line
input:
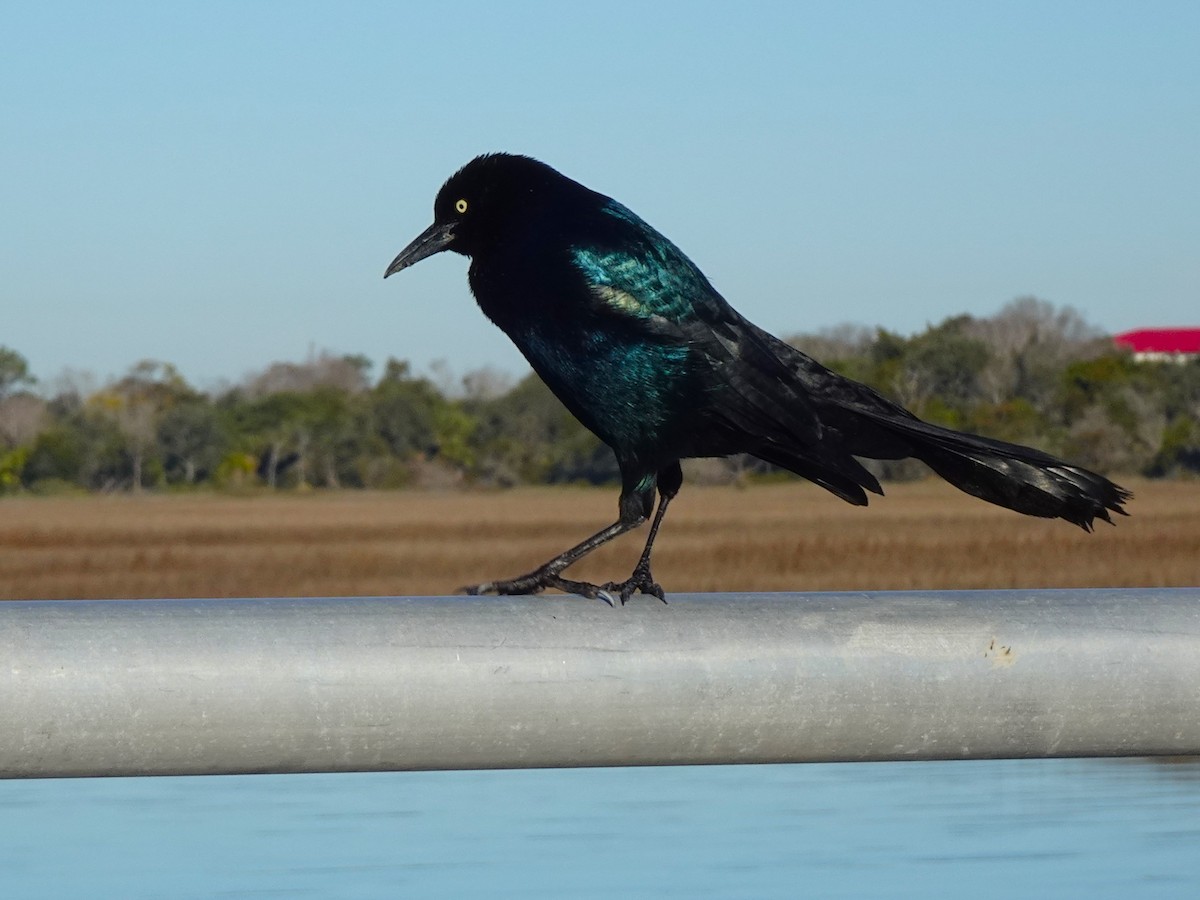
<point x="1032" y="373"/>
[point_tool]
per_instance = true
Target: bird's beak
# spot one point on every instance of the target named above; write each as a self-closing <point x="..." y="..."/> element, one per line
<point x="433" y="239"/>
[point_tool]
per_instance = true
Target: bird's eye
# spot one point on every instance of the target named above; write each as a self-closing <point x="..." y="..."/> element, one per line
<point x="460" y="205"/>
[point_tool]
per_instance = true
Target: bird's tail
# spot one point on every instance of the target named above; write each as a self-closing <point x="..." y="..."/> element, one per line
<point x="1009" y="475"/>
<point x="858" y="421"/>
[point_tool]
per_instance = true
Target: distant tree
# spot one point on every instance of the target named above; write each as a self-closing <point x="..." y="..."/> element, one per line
<point x="938" y="374"/>
<point x="1032" y="373"/>
<point x="999" y="375"/>
<point x="136" y="403"/>
<point x="309" y="421"/>
<point x="527" y="435"/>
<point x="271" y="426"/>
<point x="12" y="466"/>
<point x="58" y="454"/>
<point x="1031" y="341"/>
<point x="14" y="372"/>
<point x="235" y="470"/>
<point x="21" y="418"/>
<point x="486" y="384"/>
<point x="191" y="441"/>
<point x="80" y="447"/>
<point x="839" y="347"/>
<point x="348" y="373"/>
<point x="332" y="437"/>
<point x="1179" y="451"/>
<point x="1180" y="389"/>
<point x="405" y="411"/>
<point x="453" y="432"/>
<point x="1113" y="416"/>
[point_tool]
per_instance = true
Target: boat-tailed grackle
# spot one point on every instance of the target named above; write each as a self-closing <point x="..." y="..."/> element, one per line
<point x="632" y="338"/>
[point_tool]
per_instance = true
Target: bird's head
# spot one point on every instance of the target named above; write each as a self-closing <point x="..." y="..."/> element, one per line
<point x="484" y="202"/>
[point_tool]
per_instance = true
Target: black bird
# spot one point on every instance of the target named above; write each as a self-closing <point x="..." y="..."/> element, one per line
<point x="634" y="340"/>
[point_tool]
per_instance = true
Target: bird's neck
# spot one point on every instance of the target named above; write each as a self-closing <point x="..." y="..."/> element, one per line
<point x="518" y="285"/>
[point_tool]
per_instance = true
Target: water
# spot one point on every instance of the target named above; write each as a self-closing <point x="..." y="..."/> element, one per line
<point x="1063" y="828"/>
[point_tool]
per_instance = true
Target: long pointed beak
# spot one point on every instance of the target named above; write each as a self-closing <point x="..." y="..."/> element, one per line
<point x="433" y="239"/>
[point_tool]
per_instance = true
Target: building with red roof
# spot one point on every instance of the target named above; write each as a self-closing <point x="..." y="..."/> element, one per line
<point x="1161" y="344"/>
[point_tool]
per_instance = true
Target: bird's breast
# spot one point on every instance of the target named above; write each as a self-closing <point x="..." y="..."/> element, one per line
<point x="628" y="392"/>
<point x="626" y="387"/>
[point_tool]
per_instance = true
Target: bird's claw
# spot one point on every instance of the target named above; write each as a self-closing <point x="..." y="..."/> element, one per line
<point x="640" y="582"/>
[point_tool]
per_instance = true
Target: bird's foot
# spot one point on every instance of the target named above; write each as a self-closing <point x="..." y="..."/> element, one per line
<point x="537" y="581"/>
<point x="640" y="582"/>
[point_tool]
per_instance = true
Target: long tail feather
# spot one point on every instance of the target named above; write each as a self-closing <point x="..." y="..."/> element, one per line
<point x="858" y="421"/>
<point x="1010" y="475"/>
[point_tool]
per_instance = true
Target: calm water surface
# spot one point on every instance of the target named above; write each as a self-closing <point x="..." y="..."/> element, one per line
<point x="1065" y="828"/>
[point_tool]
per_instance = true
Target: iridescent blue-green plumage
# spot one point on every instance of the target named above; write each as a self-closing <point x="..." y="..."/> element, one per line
<point x="636" y="342"/>
<point x="646" y="275"/>
<point x="591" y="339"/>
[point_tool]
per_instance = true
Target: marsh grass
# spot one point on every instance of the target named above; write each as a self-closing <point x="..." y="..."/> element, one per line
<point x="780" y="537"/>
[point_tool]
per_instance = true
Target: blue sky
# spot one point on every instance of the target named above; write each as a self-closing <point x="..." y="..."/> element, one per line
<point x="221" y="185"/>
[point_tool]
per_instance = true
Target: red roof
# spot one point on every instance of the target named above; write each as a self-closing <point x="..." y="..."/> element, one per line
<point x="1160" y="340"/>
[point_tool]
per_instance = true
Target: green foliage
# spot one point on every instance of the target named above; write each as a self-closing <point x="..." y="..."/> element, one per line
<point x="935" y="373"/>
<point x="454" y="432"/>
<point x="405" y="412"/>
<point x="1099" y="380"/>
<point x="1039" y="376"/>
<point x="1016" y="420"/>
<point x="191" y="440"/>
<point x="84" y="448"/>
<point x="12" y="463"/>
<point x="1180" y="449"/>
<point x="14" y="371"/>
<point x="1032" y="374"/>
<point x="57" y="453"/>
<point x="526" y="435"/>
<point x="949" y="361"/>
<point x="235" y="470"/>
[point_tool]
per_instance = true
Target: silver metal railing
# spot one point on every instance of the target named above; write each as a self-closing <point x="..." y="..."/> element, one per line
<point x="162" y="687"/>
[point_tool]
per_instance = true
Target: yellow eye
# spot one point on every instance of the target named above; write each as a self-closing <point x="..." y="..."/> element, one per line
<point x="460" y="205"/>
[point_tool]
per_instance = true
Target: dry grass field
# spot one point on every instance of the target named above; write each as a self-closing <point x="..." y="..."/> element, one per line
<point x="769" y="537"/>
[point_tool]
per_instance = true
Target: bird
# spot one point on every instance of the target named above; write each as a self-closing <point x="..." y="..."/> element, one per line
<point x="640" y="347"/>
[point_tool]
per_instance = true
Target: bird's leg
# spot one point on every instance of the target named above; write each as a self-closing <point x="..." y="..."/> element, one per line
<point x="641" y="581"/>
<point x="547" y="575"/>
<point x="637" y="500"/>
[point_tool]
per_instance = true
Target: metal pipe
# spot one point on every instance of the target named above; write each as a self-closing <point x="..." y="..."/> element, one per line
<point x="162" y="687"/>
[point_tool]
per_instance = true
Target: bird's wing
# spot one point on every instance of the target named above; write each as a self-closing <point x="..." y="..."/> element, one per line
<point x="647" y="284"/>
<point x="642" y="280"/>
<point x="636" y="272"/>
